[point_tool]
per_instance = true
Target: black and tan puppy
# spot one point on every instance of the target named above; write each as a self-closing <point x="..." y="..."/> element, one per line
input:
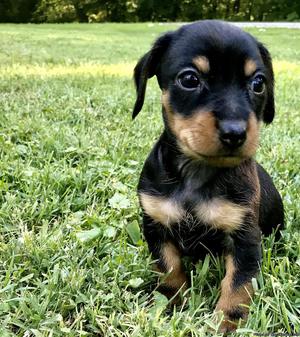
<point x="200" y="189"/>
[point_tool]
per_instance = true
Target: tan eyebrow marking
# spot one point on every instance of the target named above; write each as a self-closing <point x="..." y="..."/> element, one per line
<point x="250" y="67"/>
<point x="202" y="63"/>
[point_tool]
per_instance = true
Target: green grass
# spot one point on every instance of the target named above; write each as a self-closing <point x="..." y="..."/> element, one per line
<point x="72" y="260"/>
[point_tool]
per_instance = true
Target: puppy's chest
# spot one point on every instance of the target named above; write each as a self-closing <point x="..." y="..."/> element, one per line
<point x="190" y="210"/>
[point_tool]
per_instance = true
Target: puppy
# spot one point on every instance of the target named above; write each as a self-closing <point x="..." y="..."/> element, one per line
<point x="200" y="188"/>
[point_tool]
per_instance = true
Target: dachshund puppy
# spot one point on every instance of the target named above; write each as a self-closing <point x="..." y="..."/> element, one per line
<point x="200" y="189"/>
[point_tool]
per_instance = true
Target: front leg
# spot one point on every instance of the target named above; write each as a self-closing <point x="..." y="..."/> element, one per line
<point x="168" y="260"/>
<point x="174" y="283"/>
<point x="242" y="264"/>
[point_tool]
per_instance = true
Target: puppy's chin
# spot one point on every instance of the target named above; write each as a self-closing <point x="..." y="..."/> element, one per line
<point x="223" y="161"/>
<point x="215" y="161"/>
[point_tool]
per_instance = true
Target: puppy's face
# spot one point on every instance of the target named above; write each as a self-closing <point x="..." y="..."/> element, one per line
<point x="217" y="85"/>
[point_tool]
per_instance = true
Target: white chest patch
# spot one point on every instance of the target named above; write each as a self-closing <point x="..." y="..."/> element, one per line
<point x="161" y="209"/>
<point x="221" y="214"/>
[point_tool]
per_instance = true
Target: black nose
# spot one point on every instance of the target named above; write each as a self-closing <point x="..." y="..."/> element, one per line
<point x="232" y="133"/>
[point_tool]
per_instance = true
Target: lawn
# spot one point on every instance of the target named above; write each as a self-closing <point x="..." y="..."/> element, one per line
<point x="72" y="259"/>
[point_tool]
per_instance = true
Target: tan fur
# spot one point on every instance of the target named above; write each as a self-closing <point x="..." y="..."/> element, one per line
<point x="163" y="210"/>
<point x="251" y="144"/>
<point x="250" y="67"/>
<point x="197" y="136"/>
<point x="171" y="257"/>
<point x="221" y="214"/>
<point x="232" y="298"/>
<point x="223" y="161"/>
<point x="250" y="171"/>
<point x="202" y="64"/>
<point x="256" y="196"/>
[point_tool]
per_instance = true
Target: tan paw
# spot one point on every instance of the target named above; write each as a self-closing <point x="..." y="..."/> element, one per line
<point x="232" y="318"/>
<point x="227" y="326"/>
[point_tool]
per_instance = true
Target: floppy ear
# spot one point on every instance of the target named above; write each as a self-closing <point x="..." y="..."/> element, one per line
<point x="147" y="67"/>
<point x="269" y="110"/>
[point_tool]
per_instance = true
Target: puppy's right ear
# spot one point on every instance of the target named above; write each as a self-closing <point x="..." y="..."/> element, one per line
<point x="147" y="67"/>
<point x="269" y="110"/>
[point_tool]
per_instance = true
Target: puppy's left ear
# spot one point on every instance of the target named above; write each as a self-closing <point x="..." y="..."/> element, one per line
<point x="269" y="110"/>
<point x="147" y="67"/>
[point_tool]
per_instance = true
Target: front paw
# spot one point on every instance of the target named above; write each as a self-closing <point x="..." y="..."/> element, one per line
<point x="176" y="296"/>
<point x="231" y="318"/>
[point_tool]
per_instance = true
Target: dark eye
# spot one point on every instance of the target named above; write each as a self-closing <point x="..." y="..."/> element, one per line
<point x="188" y="80"/>
<point x="258" y="85"/>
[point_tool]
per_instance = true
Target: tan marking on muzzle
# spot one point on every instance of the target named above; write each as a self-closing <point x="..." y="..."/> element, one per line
<point x="196" y="134"/>
<point x="250" y="146"/>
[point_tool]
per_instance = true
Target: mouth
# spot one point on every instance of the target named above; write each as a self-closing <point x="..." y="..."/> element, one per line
<point x="222" y="160"/>
<point x="225" y="155"/>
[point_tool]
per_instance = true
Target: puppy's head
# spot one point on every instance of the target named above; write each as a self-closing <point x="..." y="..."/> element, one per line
<point x="217" y="86"/>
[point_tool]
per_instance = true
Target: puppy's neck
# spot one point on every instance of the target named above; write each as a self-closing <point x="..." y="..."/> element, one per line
<point x="195" y="170"/>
